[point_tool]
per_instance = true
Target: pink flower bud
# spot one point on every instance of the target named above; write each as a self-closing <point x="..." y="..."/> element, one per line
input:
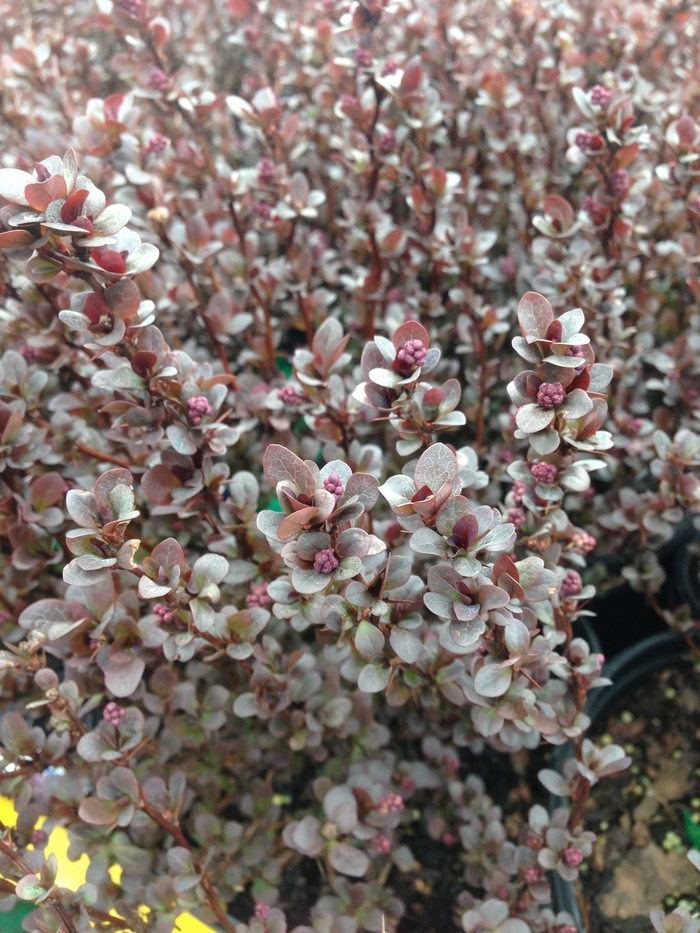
<point x="583" y="541"/>
<point x="389" y="803"/>
<point x="362" y="58"/>
<point x="163" y="613"/>
<point x="197" y="409"/>
<point x="390" y="67"/>
<point x="550" y="394"/>
<point x="518" y="490"/>
<point x="599" y="96"/>
<point x="29" y="353"/>
<point x="288" y="395"/>
<point x="157" y="79"/>
<point x="157" y="144"/>
<point x="619" y="184"/>
<point x="326" y="561"/>
<point x="545" y="473"/>
<point x="572" y="856"/>
<point x="382" y="844"/>
<point x="571" y="585"/>
<point x="387" y="142"/>
<point x="262" y="911"/>
<point x="411" y="355"/>
<point x="38" y="838"/>
<point x="258" y="596"/>
<point x="113" y="714"/>
<point x="333" y="484"/>
<point x="584" y="140"/>
<point x="531" y="875"/>
<point x="266" y="172"/>
<point x="516" y="517"/>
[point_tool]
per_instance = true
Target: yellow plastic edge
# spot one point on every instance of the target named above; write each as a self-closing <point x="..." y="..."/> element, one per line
<point x="72" y="874"/>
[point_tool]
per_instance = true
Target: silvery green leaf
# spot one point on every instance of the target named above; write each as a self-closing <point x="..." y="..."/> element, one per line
<point x="245" y="705"/>
<point x="452" y="420"/>
<point x="427" y="541"/>
<point x="466" y="634"/>
<point x="492" y="681"/>
<point x="439" y="604"/>
<point x="203" y="615"/>
<point x="347" y="568"/>
<point x="566" y="362"/>
<point x="437" y="466"/>
<point x="112" y="219"/>
<point x="531" y="418"/>
<point x="499" y="538"/>
<point x="386" y="348"/>
<point x="75" y="320"/>
<point x="348" y="860"/>
<point x="141" y="259"/>
<point x="467" y="567"/>
<point x="405" y="447"/>
<point x="544" y="442"/>
<point x="181" y="439"/>
<point x="369" y="641"/>
<point x="149" y="589"/>
<point x="122" y="378"/>
<point x="601" y="375"/>
<point x="576" y="478"/>
<point x="310" y="581"/>
<point x="407" y="646"/>
<point x="386" y="378"/>
<point x="74" y="575"/>
<point x="373" y="679"/>
<point x="13" y="181"/>
<point x="211" y="568"/>
<point x="582" y="102"/>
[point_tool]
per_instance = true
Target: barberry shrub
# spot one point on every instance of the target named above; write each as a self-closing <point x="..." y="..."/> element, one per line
<point x="304" y="448"/>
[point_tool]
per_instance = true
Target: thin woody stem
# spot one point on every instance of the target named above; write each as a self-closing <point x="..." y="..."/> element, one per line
<point x="54" y="897"/>
<point x="174" y="830"/>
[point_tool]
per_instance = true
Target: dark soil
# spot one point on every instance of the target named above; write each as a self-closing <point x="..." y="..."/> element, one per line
<point x="639" y="861"/>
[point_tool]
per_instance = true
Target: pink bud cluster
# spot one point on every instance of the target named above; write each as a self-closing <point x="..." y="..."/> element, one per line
<point x="157" y="79"/>
<point x="411" y="355"/>
<point x="258" y="596"/>
<point x="197" y="409"/>
<point x="333" y="484"/>
<point x="113" y="714"/>
<point x="157" y="144"/>
<point x="326" y="561"/>
<point x="545" y="473"/>
<point x="600" y="96"/>
<point x="382" y="844"/>
<point x="571" y="584"/>
<point x="550" y="394"/>
<point x="390" y="803"/>
<point x="287" y="394"/>
<point x="163" y="614"/>
<point x="266" y="172"/>
<point x="619" y="184"/>
<point x="572" y="856"/>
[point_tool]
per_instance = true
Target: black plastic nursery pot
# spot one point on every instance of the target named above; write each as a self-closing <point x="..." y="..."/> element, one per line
<point x="623" y="616"/>
<point x="630" y="668"/>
